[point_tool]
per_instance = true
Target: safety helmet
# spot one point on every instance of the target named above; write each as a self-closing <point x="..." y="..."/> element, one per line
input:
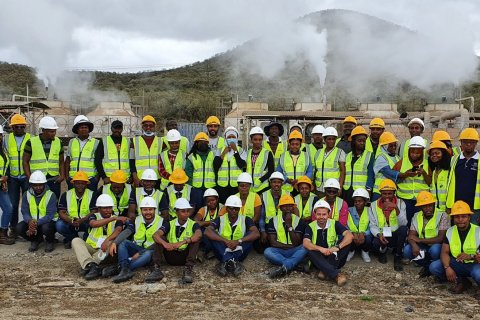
<point x="437" y="145"/>
<point x="469" y="134"/>
<point x="387" y="138"/>
<point x="182" y="203"/>
<point x="148" y="202"/>
<point x="229" y="130"/>
<point x="37" y="177"/>
<point x="276" y="175"/>
<point x="149" y="118"/>
<point x="332" y="183"/>
<point x="387" y="185"/>
<point x="80" y="176"/>
<point x="295" y="135"/>
<point x="48" y="122"/>
<point x="361" y="192"/>
<point x="304" y="179"/>
<point x="358" y="130"/>
<point x="149" y="174"/>
<point x="79" y="120"/>
<point x="201" y="136"/>
<point x="212" y="120"/>
<point x="17" y="119"/>
<point x="286" y="199"/>
<point x="173" y="135"/>
<point x="417" y="121"/>
<point x="330" y="131"/>
<point x="233" y="201"/>
<point x="350" y="119"/>
<point x="460" y="207"/>
<point x="210" y="193"/>
<point x="441" y="135"/>
<point x="178" y="176"/>
<point x="104" y="200"/>
<point x="318" y="129"/>
<point x="118" y="176"/>
<point x="377" y="123"/>
<point x="321" y="204"/>
<point x="417" y="142"/>
<point x="424" y="198"/>
<point x="245" y="177"/>
<point x="256" y="130"/>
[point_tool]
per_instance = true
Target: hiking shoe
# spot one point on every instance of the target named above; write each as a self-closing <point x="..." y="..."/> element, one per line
<point x="382" y="258"/>
<point x="49" y="247"/>
<point x="341" y="280"/>
<point x="397" y="263"/>
<point x="94" y="272"/>
<point x="222" y="269"/>
<point x="278" y="272"/>
<point x="155" y="275"/>
<point x="34" y="246"/>
<point x="366" y="256"/>
<point x="187" y="275"/>
<point x="4" y="238"/>
<point x="110" y="271"/>
<point x="238" y="268"/>
<point x="124" y="275"/>
<point x="461" y="286"/>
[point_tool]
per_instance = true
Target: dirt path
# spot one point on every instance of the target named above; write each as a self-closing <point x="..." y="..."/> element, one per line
<point x="374" y="291"/>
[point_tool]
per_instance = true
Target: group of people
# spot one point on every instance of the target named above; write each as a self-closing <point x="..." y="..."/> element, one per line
<point x="302" y="205"/>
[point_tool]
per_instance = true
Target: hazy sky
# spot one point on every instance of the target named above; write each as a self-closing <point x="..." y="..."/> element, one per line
<point x="121" y="35"/>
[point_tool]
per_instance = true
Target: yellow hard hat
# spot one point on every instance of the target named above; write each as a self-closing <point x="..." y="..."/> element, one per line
<point x="295" y="135"/>
<point x="17" y="119"/>
<point x="212" y="120"/>
<point x="118" y="176"/>
<point x="350" y="119"/>
<point x="304" y="179"/>
<point x="424" y="198"/>
<point x="460" y="207"/>
<point x="201" y="136"/>
<point x="357" y="131"/>
<point x="386" y="185"/>
<point x="286" y="199"/>
<point x="387" y="138"/>
<point x="178" y="176"/>
<point x="441" y="135"/>
<point x="149" y="118"/>
<point x="377" y="123"/>
<point x="469" y="134"/>
<point x="437" y="145"/>
<point x="80" y="176"/>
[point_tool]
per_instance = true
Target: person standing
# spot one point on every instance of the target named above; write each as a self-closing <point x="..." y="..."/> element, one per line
<point x="377" y="127"/>
<point x="199" y="165"/>
<point x="259" y="162"/>
<point x="349" y="123"/>
<point x="385" y="159"/>
<point x="316" y="143"/>
<point x="274" y="132"/>
<point x="215" y="142"/>
<point x="329" y="161"/>
<point x="171" y="158"/>
<point x="144" y="150"/>
<point x="415" y="128"/>
<point x="184" y="144"/>
<point x="5" y="203"/>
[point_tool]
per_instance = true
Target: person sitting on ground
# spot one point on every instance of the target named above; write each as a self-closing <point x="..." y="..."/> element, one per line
<point x="147" y="189"/>
<point x="358" y="224"/>
<point x="119" y="190"/>
<point x="321" y="241"/>
<point x="232" y="236"/>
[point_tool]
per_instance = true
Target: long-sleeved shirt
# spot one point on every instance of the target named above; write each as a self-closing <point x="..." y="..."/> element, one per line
<point x="401" y="216"/>
<point x="51" y="207"/>
<point x="381" y="165"/>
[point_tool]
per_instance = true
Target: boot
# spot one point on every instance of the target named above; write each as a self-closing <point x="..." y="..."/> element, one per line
<point x="424" y="272"/>
<point x="341" y="280"/>
<point x="238" y="268"/>
<point x="49" y="246"/>
<point x="321" y="275"/>
<point x="4" y="239"/>
<point x="12" y="233"/>
<point x="187" y="275"/>
<point x="382" y="257"/>
<point x="155" y="275"/>
<point x="93" y="272"/>
<point x="34" y="245"/>
<point x="460" y="286"/>
<point x="397" y="263"/>
<point x="124" y="275"/>
<point x="278" y="272"/>
<point x="110" y="271"/>
<point x="222" y="269"/>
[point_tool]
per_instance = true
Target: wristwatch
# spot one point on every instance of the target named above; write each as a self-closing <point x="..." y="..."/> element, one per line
<point x="290" y="229"/>
<point x="240" y="241"/>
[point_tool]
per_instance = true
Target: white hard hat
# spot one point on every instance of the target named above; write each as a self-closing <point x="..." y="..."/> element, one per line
<point x="182" y="203"/>
<point x="81" y="119"/>
<point x="417" y="142"/>
<point x="48" y="122"/>
<point x="148" y="202"/>
<point x="104" y="200"/>
<point x="416" y="120"/>
<point x="361" y="192"/>
<point x="296" y="124"/>
<point x="233" y="201"/>
<point x="276" y="175"/>
<point x="332" y="183"/>
<point x="37" y="177"/>
<point x="149" y="174"/>
<point x="330" y="131"/>
<point x="229" y="130"/>
<point x="321" y="204"/>
<point x="1" y="129"/>
<point x="173" y="135"/>
<point x="318" y="129"/>
<point x="256" y="130"/>
<point x="245" y="177"/>
<point x="210" y="193"/>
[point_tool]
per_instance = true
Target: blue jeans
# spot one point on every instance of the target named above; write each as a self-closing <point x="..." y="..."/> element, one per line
<point x="15" y="187"/>
<point x="206" y="243"/>
<point x="68" y="231"/>
<point x="432" y="253"/>
<point x="463" y="270"/>
<point x="128" y="249"/>
<point x="240" y="255"/>
<point x="6" y="207"/>
<point x="289" y="258"/>
<point x="92" y="185"/>
<point x="366" y="246"/>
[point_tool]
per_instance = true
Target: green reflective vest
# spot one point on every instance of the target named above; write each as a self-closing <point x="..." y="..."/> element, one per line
<point x="337" y="207"/>
<point x="118" y="206"/>
<point x="4" y="163"/>
<point x="38" y="211"/>
<point x="210" y="217"/>
<point x="146" y="158"/>
<point x="439" y="188"/>
<point x="225" y="228"/>
<point x="283" y="236"/>
<point x="144" y="233"/>
<point x="362" y="224"/>
<point x="96" y="236"/>
<point x="379" y="177"/>
<point x="294" y="170"/>
<point x="203" y="174"/>
<point x="187" y="233"/>
<point x="140" y="194"/>
<point x="332" y="236"/>
<point x="16" y="154"/>
<point x="39" y="161"/>
<point x="248" y="208"/>
<point x="82" y="159"/>
<point x="326" y="167"/>
<point x="259" y="170"/>
<point x="114" y="158"/>
<point x="403" y="150"/>
<point x="72" y="205"/>
<point x="469" y="246"/>
<point x="378" y="212"/>
<point x="451" y="186"/>
<point x="229" y="171"/>
<point x="271" y="209"/>
<point x="311" y="150"/>
<point x="357" y="176"/>
<point x="178" y="163"/>
<point x="410" y="187"/>
<point x="281" y="148"/>
<point x="172" y="197"/>
<point x="305" y="212"/>
<point x="430" y="230"/>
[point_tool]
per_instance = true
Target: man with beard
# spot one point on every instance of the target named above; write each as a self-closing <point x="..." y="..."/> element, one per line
<point x="214" y="140"/>
<point x="377" y="127"/>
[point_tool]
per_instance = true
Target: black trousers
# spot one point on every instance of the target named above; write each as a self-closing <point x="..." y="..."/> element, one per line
<point x="331" y="264"/>
<point x="225" y="192"/>
<point x="176" y="258"/>
<point x="396" y="241"/>
<point x="46" y="229"/>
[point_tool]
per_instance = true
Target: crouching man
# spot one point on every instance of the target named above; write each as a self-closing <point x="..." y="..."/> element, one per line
<point x="320" y="239"/>
<point x="178" y="241"/>
<point x="104" y="229"/>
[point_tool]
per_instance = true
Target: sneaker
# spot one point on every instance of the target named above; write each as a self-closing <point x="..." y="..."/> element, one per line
<point x="34" y="246"/>
<point x="124" y="275"/>
<point x="277" y="272"/>
<point x="366" y="256"/>
<point x="350" y="255"/>
<point x="230" y="265"/>
<point x="341" y="280"/>
<point x="238" y="268"/>
<point x="397" y="263"/>
<point x="110" y="271"/>
<point x="222" y="269"/>
<point x="321" y="275"/>
<point x="49" y="247"/>
<point x="94" y="272"/>
<point x="382" y="258"/>
<point x="155" y="275"/>
<point x="187" y="275"/>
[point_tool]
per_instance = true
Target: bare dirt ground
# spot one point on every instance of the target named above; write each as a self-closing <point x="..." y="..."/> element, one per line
<point x="374" y="291"/>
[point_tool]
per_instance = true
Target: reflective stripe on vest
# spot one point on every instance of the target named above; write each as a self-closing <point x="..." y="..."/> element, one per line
<point x="259" y="170"/>
<point x="4" y="163"/>
<point x="178" y="163"/>
<point x="331" y="233"/>
<point x="378" y="212"/>
<point x="95" y="235"/>
<point x="357" y="176"/>
<point x="379" y="177"/>
<point x="72" y="204"/>
<point x="123" y="203"/>
<point x="326" y="168"/>
<point x="294" y="171"/>
<point x="362" y="224"/>
<point x="229" y="171"/>
<point x="431" y="228"/>
<point x="16" y="154"/>
<point x="144" y="234"/>
<point x="404" y="148"/>
<point x="271" y="209"/>
<point x="469" y="246"/>
<point x="172" y="197"/>
<point x="39" y="161"/>
<point x="439" y="188"/>
<point x="115" y="159"/>
<point x="82" y="159"/>
<point x="410" y="187"/>
<point x="282" y="235"/>
<point x="304" y="211"/>
<point x="203" y="174"/>
<point x="248" y="208"/>
<point x="452" y="186"/>
<point x="146" y="158"/>
<point x="38" y="211"/>
<point x="225" y="228"/>
<point x="281" y="148"/>
<point x="187" y="233"/>
<point x="139" y="195"/>
<point x="312" y="151"/>
<point x="208" y="216"/>
<point x="336" y="208"/>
